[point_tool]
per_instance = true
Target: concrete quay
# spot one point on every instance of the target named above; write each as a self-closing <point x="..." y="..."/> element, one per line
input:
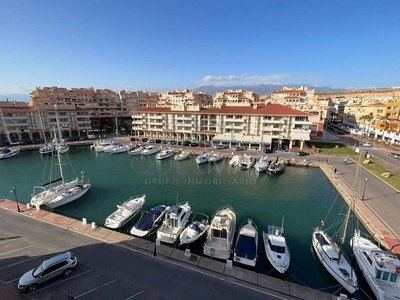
<point x="221" y="270"/>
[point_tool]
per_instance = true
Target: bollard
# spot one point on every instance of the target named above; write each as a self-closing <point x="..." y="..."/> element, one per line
<point x="187" y="253"/>
<point x="229" y="263"/>
<point x="158" y="242"/>
<point x="28" y="206"/>
<point x="94" y="225"/>
<point x="38" y="207"/>
<point x="84" y="221"/>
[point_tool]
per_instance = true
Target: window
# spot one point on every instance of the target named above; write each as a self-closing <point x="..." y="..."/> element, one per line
<point x="393" y="277"/>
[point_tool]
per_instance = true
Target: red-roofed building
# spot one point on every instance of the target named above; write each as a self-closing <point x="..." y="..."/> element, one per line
<point x="186" y="97"/>
<point x="274" y="125"/>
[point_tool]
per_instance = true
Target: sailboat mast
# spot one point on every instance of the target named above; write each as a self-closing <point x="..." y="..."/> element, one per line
<point x="57" y="144"/>
<point x="5" y="126"/>
<point x="342" y="241"/>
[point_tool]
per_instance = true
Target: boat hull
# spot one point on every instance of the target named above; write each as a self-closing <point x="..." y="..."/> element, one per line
<point x="246" y="245"/>
<point x="65" y="199"/>
<point x="280" y="261"/>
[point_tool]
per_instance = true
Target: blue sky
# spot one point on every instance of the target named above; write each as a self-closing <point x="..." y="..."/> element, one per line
<point x="161" y="45"/>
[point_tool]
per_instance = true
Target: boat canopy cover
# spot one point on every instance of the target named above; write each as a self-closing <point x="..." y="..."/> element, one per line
<point x="53" y="181"/>
<point x="148" y="217"/>
<point x="246" y="247"/>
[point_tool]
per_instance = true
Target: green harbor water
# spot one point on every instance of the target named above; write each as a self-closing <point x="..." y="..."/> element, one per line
<point x="302" y="196"/>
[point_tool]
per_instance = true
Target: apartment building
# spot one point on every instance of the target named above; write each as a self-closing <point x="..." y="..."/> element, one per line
<point x="187" y="97"/>
<point x="28" y="123"/>
<point x="253" y="126"/>
<point x="304" y="99"/>
<point x="235" y="98"/>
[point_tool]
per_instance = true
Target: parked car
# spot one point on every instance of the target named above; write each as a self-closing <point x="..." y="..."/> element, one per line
<point x="158" y="141"/>
<point x="203" y="144"/>
<point x="302" y="153"/>
<point x="367" y="144"/>
<point x="151" y="141"/>
<point x="172" y="142"/>
<point x="239" y="148"/>
<point x="221" y="146"/>
<point x="133" y="139"/>
<point x="61" y="264"/>
<point x="268" y="150"/>
<point x="185" y="143"/>
<point x="194" y="144"/>
<point x="145" y="140"/>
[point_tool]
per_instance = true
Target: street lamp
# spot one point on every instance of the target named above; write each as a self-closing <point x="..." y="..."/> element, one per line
<point x="14" y="190"/>
<point x="365" y="187"/>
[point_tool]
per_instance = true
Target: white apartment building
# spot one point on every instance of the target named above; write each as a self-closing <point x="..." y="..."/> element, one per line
<point x="187" y="97"/>
<point x="305" y="100"/>
<point x="235" y="98"/>
<point x="23" y="123"/>
<point x="272" y="125"/>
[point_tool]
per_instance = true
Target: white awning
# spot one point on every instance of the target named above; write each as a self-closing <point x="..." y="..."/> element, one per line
<point x="241" y="138"/>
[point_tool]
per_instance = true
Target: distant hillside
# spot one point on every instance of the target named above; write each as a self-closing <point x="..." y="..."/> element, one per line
<point x="261" y="89"/>
<point x="15" y="97"/>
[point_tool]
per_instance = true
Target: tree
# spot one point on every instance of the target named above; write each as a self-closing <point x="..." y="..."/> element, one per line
<point x="385" y="124"/>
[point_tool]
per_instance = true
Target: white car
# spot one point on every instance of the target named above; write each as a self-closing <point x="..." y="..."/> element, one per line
<point x="367" y="144"/>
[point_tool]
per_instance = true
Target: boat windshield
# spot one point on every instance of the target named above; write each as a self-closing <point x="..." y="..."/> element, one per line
<point x="275" y="248"/>
<point x="223" y="234"/>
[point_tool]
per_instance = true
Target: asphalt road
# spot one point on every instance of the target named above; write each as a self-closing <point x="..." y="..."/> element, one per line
<point x="104" y="271"/>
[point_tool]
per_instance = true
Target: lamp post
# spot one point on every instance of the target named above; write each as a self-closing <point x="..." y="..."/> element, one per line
<point x="14" y="190"/>
<point x="365" y="187"/>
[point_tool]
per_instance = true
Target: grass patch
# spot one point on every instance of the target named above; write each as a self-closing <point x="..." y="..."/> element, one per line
<point x="331" y="148"/>
<point x="377" y="170"/>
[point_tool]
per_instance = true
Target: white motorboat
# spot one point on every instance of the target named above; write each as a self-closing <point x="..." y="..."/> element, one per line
<point x="107" y="149"/>
<point x="100" y="146"/>
<point x="214" y="157"/>
<point x="59" y="192"/>
<point x="246" y="162"/>
<point x="62" y="148"/>
<point x="182" y="156"/>
<point x="195" y="230"/>
<point x="47" y="149"/>
<point x="9" y="152"/>
<point x="165" y="153"/>
<point x="136" y="151"/>
<point x="219" y="242"/>
<point x="149" y="221"/>
<point x="380" y="268"/>
<point x="149" y="150"/>
<point x="247" y="244"/>
<point x="276" y="167"/>
<point x="174" y="222"/>
<point x="125" y="212"/>
<point x="276" y="249"/>
<point x="120" y="148"/>
<point x="334" y="262"/>
<point x="202" y="158"/>
<point x="234" y="161"/>
<point x="262" y="164"/>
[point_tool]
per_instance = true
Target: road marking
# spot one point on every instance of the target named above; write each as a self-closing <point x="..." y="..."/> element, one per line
<point x="13" y="280"/>
<point x="17" y="263"/>
<point x="69" y="278"/>
<point x="16" y="250"/>
<point x="134" y="295"/>
<point x="7" y="240"/>
<point x="95" y="289"/>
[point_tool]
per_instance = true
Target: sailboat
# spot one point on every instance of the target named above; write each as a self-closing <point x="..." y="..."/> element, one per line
<point x="47" y="149"/>
<point x="331" y="255"/>
<point x="9" y="151"/>
<point x="59" y="192"/>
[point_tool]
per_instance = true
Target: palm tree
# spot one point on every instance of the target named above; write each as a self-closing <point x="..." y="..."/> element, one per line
<point x="385" y="124"/>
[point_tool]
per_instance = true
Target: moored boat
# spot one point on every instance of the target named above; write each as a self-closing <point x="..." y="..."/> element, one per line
<point x="195" y="230"/>
<point x="276" y="249"/>
<point x="136" y="151"/>
<point x="380" y="268"/>
<point x="220" y="235"/>
<point x="9" y="152"/>
<point x="276" y="167"/>
<point x="125" y="212"/>
<point x="202" y="158"/>
<point x="174" y="222"/>
<point x="149" y="150"/>
<point x="262" y="164"/>
<point x="246" y="162"/>
<point x="181" y="156"/>
<point x="246" y="244"/>
<point x="165" y="153"/>
<point x="215" y="157"/>
<point x="149" y="221"/>
<point x="47" y="149"/>
<point x="120" y="148"/>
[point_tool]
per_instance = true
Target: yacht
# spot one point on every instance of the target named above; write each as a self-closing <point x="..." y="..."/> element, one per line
<point x="100" y="146"/>
<point x="380" y="268"/>
<point x="276" y="167"/>
<point x="181" y="156"/>
<point x="149" y="150"/>
<point x="125" y="212"/>
<point x="221" y="233"/>
<point x="149" y="221"/>
<point x="234" y="161"/>
<point x="214" y="157"/>
<point x="246" y="162"/>
<point x="62" y="148"/>
<point x="276" y="249"/>
<point x="9" y="152"/>
<point x="247" y="244"/>
<point x="202" y="158"/>
<point x="262" y="164"/>
<point x="195" y="230"/>
<point x="120" y="148"/>
<point x="136" y="151"/>
<point x="166" y="153"/>
<point x="57" y="191"/>
<point x="174" y="222"/>
<point x="47" y="149"/>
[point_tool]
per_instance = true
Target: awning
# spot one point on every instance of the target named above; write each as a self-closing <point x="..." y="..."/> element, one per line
<point x="241" y="138"/>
